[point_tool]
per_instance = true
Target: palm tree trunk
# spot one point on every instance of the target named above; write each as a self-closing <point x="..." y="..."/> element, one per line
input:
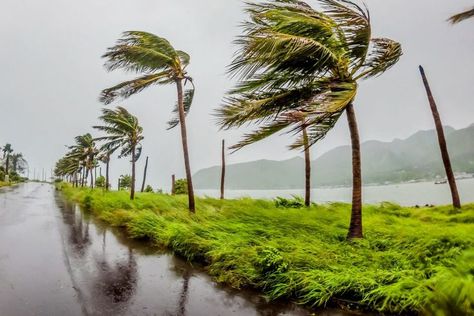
<point x="86" y="175"/>
<point x="107" y="174"/>
<point x="307" y="161"/>
<point x="223" y="170"/>
<point x="92" y="178"/>
<point x="184" y="138"/>
<point x="442" y="143"/>
<point x="132" y="186"/>
<point x="144" y="175"/>
<point x="355" y="229"/>
<point x="7" y="165"/>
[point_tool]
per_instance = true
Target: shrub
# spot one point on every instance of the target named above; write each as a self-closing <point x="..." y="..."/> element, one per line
<point x="149" y="189"/>
<point x="181" y="186"/>
<point x="100" y="182"/>
<point x="295" y="202"/>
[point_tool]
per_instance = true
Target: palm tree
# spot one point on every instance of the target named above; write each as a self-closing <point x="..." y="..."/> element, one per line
<point x="294" y="59"/>
<point x="160" y="64"/>
<point x="7" y="150"/>
<point x="84" y="150"/>
<point x="124" y="132"/>
<point x="18" y="162"/>
<point x="462" y="16"/>
<point x="104" y="157"/>
<point x="442" y="142"/>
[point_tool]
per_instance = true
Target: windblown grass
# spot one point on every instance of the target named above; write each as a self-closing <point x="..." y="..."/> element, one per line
<point x="412" y="260"/>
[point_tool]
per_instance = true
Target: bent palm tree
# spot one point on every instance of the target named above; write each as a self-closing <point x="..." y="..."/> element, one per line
<point x="160" y="64"/>
<point x="462" y="16"/>
<point x="295" y="59"/>
<point x="124" y="132"/>
<point x="85" y="151"/>
<point x="442" y="142"/>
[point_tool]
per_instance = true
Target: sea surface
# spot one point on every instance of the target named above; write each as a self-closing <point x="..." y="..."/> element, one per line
<point x="406" y="194"/>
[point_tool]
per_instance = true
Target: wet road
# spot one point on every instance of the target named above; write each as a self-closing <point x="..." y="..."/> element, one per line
<point x="54" y="260"/>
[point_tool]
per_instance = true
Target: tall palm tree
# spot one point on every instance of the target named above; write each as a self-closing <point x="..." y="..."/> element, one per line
<point x="296" y="59"/>
<point x="462" y="16"/>
<point x="7" y="150"/>
<point x="442" y="142"/>
<point x="124" y="133"/>
<point x="159" y="63"/>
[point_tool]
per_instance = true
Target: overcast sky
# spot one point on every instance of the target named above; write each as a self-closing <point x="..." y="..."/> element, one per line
<point x="51" y="74"/>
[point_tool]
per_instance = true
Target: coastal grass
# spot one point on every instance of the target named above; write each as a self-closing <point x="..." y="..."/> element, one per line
<point x="412" y="260"/>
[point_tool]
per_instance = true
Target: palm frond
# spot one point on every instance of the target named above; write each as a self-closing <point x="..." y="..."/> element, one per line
<point x="384" y="54"/>
<point x="128" y="88"/>
<point x="462" y="16"/>
<point x="188" y="98"/>
<point x="262" y="133"/>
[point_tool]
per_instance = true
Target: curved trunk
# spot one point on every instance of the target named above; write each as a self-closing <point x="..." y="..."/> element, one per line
<point x="223" y="170"/>
<point x="132" y="185"/>
<point x="355" y="229"/>
<point x="442" y="143"/>
<point x="184" y="139"/>
<point x="144" y="175"/>
<point x="307" y="162"/>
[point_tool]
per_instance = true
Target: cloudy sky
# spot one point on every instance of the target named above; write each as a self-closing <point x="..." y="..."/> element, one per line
<point x="51" y="74"/>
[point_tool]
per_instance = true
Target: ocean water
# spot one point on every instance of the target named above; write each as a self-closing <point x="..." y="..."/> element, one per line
<point x="406" y="194"/>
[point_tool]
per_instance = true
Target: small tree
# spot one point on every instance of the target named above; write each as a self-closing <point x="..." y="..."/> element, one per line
<point x="181" y="186"/>
<point x="100" y="182"/>
<point x="148" y="189"/>
<point x="125" y="182"/>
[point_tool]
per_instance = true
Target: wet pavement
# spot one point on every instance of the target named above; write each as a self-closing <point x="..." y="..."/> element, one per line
<point x="56" y="260"/>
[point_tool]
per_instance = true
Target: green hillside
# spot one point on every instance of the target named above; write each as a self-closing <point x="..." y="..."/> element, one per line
<point x="414" y="158"/>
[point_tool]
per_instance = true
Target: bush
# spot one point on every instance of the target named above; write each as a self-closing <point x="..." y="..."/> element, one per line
<point x="295" y="202"/>
<point x="149" y="189"/>
<point x="125" y="182"/>
<point x="181" y="186"/>
<point x="100" y="182"/>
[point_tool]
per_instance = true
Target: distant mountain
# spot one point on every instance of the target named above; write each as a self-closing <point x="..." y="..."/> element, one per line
<point x="415" y="158"/>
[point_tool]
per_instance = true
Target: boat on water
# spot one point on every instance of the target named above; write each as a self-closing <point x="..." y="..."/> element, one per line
<point x="441" y="182"/>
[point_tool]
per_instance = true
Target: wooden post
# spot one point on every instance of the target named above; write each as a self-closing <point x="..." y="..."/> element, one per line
<point x="223" y="170"/>
<point x="144" y="175"/>
<point x="173" y="185"/>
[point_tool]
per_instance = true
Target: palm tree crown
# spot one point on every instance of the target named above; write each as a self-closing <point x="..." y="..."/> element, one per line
<point x="299" y="67"/>
<point x="462" y="16"/>
<point x="122" y="132"/>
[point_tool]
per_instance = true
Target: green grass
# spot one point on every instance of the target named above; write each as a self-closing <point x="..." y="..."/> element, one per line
<point x="4" y="184"/>
<point x="412" y="260"/>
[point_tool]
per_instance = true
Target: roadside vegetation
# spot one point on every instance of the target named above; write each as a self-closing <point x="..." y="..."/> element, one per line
<point x="412" y="259"/>
<point x="12" y="166"/>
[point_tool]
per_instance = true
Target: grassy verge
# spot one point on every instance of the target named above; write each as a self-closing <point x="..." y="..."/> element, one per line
<point x="5" y="184"/>
<point x="412" y="260"/>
